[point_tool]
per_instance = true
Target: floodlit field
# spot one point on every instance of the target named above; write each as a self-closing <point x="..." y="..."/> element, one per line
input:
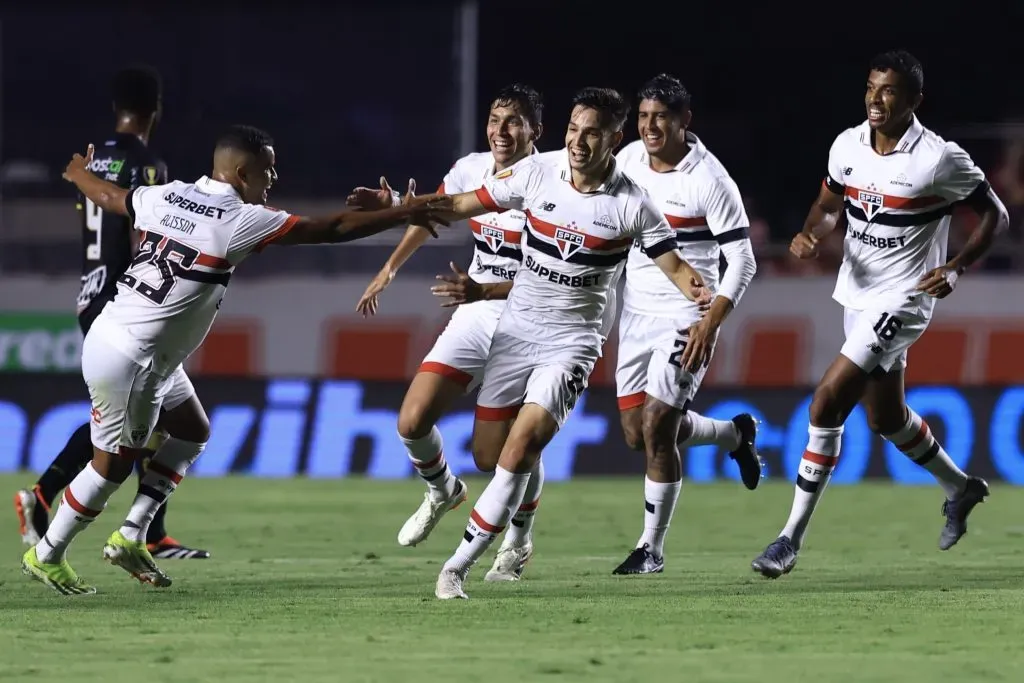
<point x="308" y="584"/>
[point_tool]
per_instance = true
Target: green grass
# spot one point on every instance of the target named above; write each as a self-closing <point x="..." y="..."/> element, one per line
<point x="308" y="584"/>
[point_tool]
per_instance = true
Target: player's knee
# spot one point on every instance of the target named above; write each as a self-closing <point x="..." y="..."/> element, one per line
<point x="658" y="424"/>
<point x="519" y="454"/>
<point x="632" y="430"/>
<point x="886" y="421"/>
<point x="413" y="421"/>
<point x="826" y="409"/>
<point x="485" y="453"/>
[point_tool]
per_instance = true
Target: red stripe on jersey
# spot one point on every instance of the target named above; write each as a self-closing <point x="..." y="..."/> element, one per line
<point x="285" y="228"/>
<point x="892" y="202"/>
<point x="508" y="236"/>
<point x="486" y="200"/>
<point x="591" y="242"/>
<point x="687" y="222"/>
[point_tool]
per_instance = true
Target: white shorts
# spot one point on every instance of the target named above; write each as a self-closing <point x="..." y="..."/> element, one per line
<point x="650" y="350"/>
<point x="519" y="372"/>
<point x="460" y="352"/>
<point x="878" y="339"/>
<point x="126" y="397"/>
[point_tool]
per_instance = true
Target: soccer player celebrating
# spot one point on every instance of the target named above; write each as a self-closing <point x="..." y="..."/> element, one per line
<point x="125" y="160"/>
<point x="582" y="216"/>
<point x="455" y="364"/>
<point x="898" y="183"/>
<point x="193" y="237"/>
<point x="665" y="341"/>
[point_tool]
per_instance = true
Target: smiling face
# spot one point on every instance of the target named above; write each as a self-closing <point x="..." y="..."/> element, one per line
<point x="888" y="101"/>
<point x="257" y="176"/>
<point x="509" y="134"/>
<point x="590" y="141"/>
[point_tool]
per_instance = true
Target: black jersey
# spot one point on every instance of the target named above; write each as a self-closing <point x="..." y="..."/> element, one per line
<point x="107" y="243"/>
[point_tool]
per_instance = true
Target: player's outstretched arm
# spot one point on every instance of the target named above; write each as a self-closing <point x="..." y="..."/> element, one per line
<point x="460" y="288"/>
<point x="107" y="196"/>
<point x="822" y="219"/>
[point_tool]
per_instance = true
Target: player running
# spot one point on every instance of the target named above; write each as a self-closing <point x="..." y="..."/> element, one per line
<point x="898" y="183"/>
<point x="193" y="237"/>
<point x="665" y="341"/>
<point x="583" y="214"/>
<point x="126" y="161"/>
<point x="454" y="365"/>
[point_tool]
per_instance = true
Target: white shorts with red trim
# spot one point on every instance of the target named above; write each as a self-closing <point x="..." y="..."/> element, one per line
<point x="876" y="338"/>
<point x="460" y="352"/>
<point x="127" y="397"/>
<point x="650" y="350"/>
<point x="519" y="372"/>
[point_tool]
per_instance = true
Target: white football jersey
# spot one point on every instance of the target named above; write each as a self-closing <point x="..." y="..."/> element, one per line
<point x="704" y="207"/>
<point x="574" y="246"/>
<point x="496" y="235"/>
<point x="193" y="236"/>
<point x="898" y="209"/>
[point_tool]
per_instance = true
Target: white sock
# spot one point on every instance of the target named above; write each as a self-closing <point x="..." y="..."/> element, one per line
<point x="816" y="467"/>
<point x="84" y="499"/>
<point x="704" y="431"/>
<point x="164" y="472"/>
<point x="917" y="443"/>
<point x="659" y="504"/>
<point x="492" y="512"/>
<point x="519" y="534"/>
<point x="427" y="455"/>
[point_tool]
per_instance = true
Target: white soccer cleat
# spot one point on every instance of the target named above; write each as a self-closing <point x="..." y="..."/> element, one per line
<point x="418" y="527"/>
<point x="25" y="507"/>
<point x="449" y="585"/>
<point x="510" y="562"/>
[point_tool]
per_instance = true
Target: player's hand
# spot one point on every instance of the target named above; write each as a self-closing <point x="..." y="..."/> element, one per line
<point x="368" y="302"/>
<point x="694" y="289"/>
<point x="371" y="198"/>
<point x="431" y="210"/>
<point x="939" y="282"/>
<point x="79" y="164"/>
<point x="700" y="342"/>
<point x="460" y="288"/>
<point x="804" y="246"/>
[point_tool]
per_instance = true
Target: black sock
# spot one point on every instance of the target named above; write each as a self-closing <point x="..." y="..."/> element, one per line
<point x="66" y="466"/>
<point x="157" y="531"/>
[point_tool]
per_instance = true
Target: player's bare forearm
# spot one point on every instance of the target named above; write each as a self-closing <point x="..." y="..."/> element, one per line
<point x="415" y="237"/>
<point x="464" y="205"/>
<point x="720" y="309"/>
<point x="824" y="214"/>
<point x="349" y="226"/>
<point x="496" y="291"/>
<point x="994" y="219"/>
<point x="103" y="194"/>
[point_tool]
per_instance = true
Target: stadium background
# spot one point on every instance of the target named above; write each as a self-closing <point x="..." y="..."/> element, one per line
<point x="296" y="383"/>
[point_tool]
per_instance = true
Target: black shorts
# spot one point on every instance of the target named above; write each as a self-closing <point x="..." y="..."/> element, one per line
<point x="90" y="312"/>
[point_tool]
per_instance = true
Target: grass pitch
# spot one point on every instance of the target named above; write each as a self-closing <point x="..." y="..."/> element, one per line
<point x="308" y="584"/>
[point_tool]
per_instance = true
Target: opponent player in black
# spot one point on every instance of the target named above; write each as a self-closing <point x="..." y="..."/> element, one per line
<point x="108" y="246"/>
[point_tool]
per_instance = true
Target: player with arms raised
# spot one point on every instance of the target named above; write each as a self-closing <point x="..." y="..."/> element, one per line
<point x="108" y="244"/>
<point x="193" y="237"/>
<point x="665" y="341"/>
<point x="898" y="183"/>
<point x="583" y="214"/>
<point x="455" y="364"/>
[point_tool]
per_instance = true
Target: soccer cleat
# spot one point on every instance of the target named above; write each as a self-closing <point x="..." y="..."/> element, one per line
<point x="33" y="516"/>
<point x="957" y="510"/>
<point x="777" y="559"/>
<point x="641" y="561"/>
<point x="510" y="562"/>
<point x="418" y="527"/>
<point x="170" y="549"/>
<point x="745" y="455"/>
<point x="449" y="585"/>
<point x="134" y="558"/>
<point x="57" y="575"/>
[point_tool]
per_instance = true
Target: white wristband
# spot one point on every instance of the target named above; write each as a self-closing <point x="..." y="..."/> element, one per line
<point x="396" y="198"/>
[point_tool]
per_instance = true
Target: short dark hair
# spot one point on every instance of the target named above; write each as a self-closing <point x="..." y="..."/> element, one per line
<point x="529" y="101"/>
<point x="243" y="138"/>
<point x="668" y="90"/>
<point x="903" y="63"/>
<point x="608" y="102"/>
<point x="136" y="89"/>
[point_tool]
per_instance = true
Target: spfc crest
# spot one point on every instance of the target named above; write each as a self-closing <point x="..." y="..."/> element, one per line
<point x="568" y="240"/>
<point x="870" y="200"/>
<point x="494" y="237"/>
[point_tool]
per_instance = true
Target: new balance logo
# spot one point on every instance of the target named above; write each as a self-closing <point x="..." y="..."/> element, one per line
<point x="547" y="206"/>
<point x="847" y="170"/>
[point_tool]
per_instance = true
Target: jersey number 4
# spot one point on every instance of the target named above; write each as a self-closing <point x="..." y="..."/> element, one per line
<point x="166" y="256"/>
